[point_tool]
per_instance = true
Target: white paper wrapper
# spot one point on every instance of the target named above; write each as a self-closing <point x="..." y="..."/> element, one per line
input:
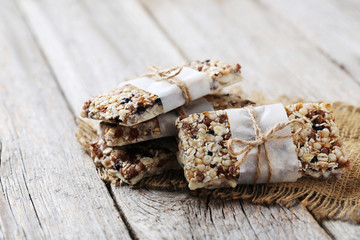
<point x="167" y="120"/>
<point x="170" y="94"/>
<point x="282" y="155"/>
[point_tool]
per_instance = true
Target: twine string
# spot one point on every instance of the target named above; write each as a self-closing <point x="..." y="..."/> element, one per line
<point x="261" y="139"/>
<point x="169" y="75"/>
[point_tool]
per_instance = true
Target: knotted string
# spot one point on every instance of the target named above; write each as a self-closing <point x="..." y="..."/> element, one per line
<point x="170" y="76"/>
<point x="261" y="139"/>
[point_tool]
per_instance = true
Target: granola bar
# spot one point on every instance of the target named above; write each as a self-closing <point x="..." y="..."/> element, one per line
<point x="117" y="135"/>
<point x="207" y="163"/>
<point x="129" y="105"/>
<point x="318" y="146"/>
<point x="134" y="162"/>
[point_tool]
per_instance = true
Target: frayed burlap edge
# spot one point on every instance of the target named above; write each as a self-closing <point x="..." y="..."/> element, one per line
<point x="331" y="199"/>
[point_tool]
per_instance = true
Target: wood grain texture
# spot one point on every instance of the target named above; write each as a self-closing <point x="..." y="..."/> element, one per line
<point x="276" y="58"/>
<point x="85" y="54"/>
<point x="178" y="215"/>
<point x="332" y="26"/>
<point x="49" y="188"/>
<point x="100" y="44"/>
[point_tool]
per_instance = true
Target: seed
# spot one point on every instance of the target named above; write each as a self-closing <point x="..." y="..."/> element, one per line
<point x="317" y="145"/>
<point x="198" y="161"/>
<point x="219" y="130"/>
<point x="332" y="157"/>
<point x="322" y="157"/>
<point x="303" y="111"/>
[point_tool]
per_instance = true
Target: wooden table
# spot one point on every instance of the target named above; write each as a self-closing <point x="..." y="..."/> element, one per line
<point x="56" y="54"/>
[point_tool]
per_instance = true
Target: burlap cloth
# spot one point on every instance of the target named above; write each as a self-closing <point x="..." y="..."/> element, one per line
<point x="331" y="199"/>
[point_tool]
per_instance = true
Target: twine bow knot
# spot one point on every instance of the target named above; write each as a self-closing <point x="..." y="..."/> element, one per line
<point x="261" y="139"/>
<point x="170" y="75"/>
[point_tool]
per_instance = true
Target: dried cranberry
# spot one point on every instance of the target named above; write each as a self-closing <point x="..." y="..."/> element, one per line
<point x="314" y="159"/>
<point x="117" y="166"/>
<point x="207" y="121"/>
<point x="310" y="114"/>
<point x="320" y="112"/>
<point x="222" y="118"/>
<point x="324" y="150"/>
<point x="118" y="133"/>
<point x="210" y="131"/>
<point x="133" y="133"/>
<point x="140" y="109"/>
<point x="220" y="170"/>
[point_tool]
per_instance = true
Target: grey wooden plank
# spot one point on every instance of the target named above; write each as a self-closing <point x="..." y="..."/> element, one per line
<point x="115" y="40"/>
<point x="281" y="59"/>
<point x="332" y="26"/>
<point x="49" y="188"/>
<point x="276" y="58"/>
<point x="182" y="216"/>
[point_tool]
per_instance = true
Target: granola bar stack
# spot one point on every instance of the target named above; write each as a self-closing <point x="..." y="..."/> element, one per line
<point x="136" y="130"/>
<point x="222" y="140"/>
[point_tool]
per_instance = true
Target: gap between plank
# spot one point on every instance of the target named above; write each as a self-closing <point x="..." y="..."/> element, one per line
<point x="247" y="219"/>
<point x="131" y="231"/>
<point x="328" y="232"/>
